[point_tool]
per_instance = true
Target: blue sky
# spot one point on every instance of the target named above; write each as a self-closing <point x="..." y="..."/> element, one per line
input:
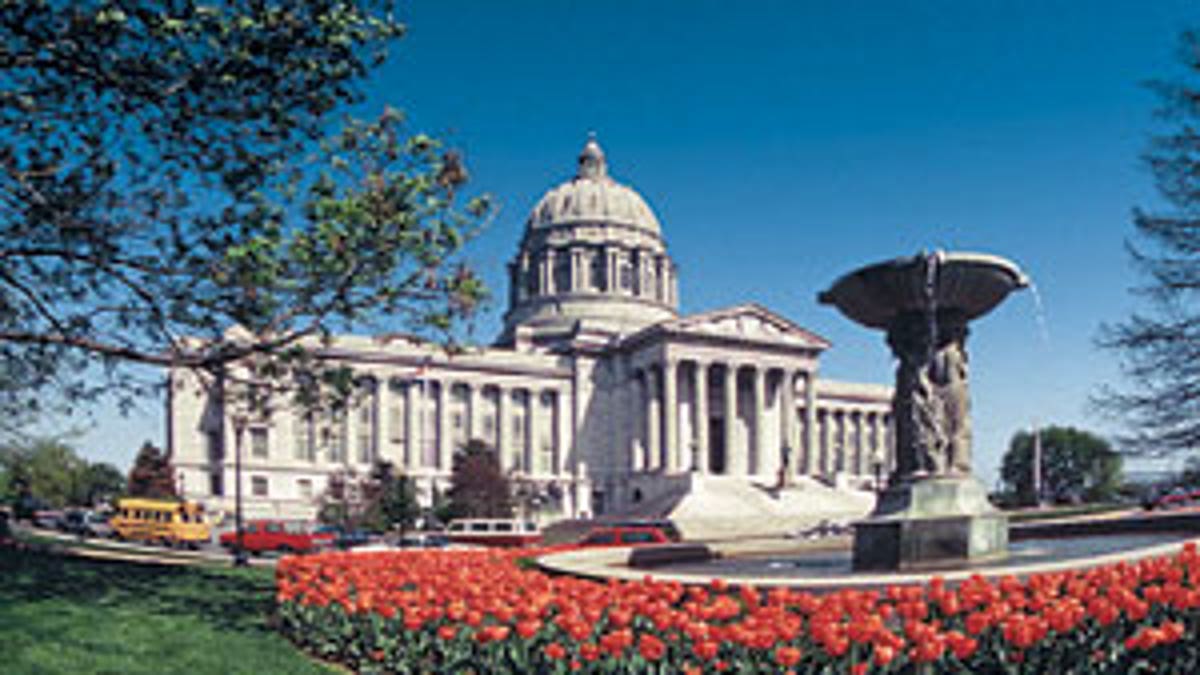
<point x="785" y="143"/>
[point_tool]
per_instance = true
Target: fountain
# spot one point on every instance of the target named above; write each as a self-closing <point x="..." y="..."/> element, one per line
<point x="934" y="513"/>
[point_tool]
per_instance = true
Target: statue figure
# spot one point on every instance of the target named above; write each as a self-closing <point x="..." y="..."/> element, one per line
<point x="933" y="432"/>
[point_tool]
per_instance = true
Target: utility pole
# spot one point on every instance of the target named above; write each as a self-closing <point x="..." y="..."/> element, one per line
<point x="239" y="428"/>
<point x="1037" y="465"/>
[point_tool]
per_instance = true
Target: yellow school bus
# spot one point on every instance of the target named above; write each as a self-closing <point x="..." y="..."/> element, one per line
<point x="163" y="521"/>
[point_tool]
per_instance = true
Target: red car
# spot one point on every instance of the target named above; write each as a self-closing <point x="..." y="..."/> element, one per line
<point x="259" y="536"/>
<point x="624" y="536"/>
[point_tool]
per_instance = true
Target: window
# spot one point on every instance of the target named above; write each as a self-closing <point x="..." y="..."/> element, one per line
<point x="637" y="538"/>
<point x="366" y="449"/>
<point x="457" y="420"/>
<point x="304" y="438"/>
<point x="489" y="425"/>
<point x="274" y="527"/>
<point x="601" y="538"/>
<point x="504" y="527"/>
<point x="304" y="487"/>
<point x="599" y="265"/>
<point x="258" y="486"/>
<point x="335" y="438"/>
<point x="216" y="486"/>
<point x="258" y="442"/>
<point x="478" y="527"/>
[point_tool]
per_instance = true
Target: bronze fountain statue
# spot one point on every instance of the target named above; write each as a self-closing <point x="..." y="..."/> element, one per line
<point x="934" y="512"/>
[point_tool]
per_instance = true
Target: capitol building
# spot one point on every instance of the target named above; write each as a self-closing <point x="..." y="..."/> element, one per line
<point x="597" y="395"/>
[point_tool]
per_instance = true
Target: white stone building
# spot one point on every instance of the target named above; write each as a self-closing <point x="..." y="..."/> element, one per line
<point x="598" y="395"/>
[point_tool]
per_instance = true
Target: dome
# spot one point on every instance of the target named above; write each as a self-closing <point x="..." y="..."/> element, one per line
<point x="593" y="197"/>
<point x="592" y="261"/>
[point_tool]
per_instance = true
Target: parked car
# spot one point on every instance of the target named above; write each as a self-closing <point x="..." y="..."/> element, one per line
<point x="1169" y="499"/>
<point x="86" y="524"/>
<point x="423" y="540"/>
<point x="665" y="526"/>
<point x="47" y="519"/>
<point x="493" y="532"/>
<point x="261" y="536"/>
<point x="624" y="536"/>
<point x="348" y="539"/>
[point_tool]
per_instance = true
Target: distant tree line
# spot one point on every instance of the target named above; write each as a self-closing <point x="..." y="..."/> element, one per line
<point x="48" y="473"/>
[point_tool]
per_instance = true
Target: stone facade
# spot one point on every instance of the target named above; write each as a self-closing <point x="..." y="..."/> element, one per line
<point x="597" y="395"/>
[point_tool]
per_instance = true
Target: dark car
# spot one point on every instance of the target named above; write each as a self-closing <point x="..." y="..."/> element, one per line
<point x="344" y="539"/>
<point x="86" y="524"/>
<point x="624" y="536"/>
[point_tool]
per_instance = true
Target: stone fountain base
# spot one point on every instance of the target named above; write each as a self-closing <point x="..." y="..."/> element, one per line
<point x="930" y="523"/>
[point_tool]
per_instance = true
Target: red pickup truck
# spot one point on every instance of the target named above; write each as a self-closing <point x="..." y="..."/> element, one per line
<point x="259" y="536"/>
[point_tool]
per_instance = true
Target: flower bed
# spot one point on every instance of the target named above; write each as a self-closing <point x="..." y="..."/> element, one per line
<point x="480" y="611"/>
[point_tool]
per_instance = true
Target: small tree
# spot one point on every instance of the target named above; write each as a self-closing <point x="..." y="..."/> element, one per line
<point x="391" y="499"/>
<point x="478" y="489"/>
<point x="1075" y="464"/>
<point x="152" y="475"/>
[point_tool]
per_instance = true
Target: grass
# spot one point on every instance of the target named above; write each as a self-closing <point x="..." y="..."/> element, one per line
<point x="63" y="614"/>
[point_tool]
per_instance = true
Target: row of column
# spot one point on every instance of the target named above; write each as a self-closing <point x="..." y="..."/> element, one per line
<point x="595" y="269"/>
<point x="804" y="440"/>
<point x="529" y="425"/>
<point x="419" y="424"/>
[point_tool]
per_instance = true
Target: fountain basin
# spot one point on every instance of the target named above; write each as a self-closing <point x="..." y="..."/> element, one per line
<point x="971" y="284"/>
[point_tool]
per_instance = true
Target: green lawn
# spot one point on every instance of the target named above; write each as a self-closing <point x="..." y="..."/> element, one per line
<point x="60" y="614"/>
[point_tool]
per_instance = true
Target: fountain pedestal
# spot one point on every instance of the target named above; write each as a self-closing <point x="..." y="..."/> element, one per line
<point x="930" y="523"/>
<point x="934" y="514"/>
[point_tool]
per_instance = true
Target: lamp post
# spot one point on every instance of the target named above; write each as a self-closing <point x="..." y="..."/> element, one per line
<point x="239" y="550"/>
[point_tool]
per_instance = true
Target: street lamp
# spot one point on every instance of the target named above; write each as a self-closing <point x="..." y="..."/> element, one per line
<point x="239" y="549"/>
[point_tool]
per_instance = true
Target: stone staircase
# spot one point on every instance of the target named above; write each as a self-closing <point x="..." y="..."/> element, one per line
<point x="726" y="507"/>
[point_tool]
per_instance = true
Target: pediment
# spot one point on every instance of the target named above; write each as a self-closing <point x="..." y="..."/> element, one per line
<point x="752" y="323"/>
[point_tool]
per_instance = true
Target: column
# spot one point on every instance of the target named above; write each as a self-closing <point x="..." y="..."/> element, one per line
<point x="810" y="422"/>
<point x="529" y="452"/>
<point x="827" y="449"/>
<point x="700" y="390"/>
<point x="787" y="408"/>
<point x="635" y="392"/>
<point x="382" y="421"/>
<point x="444" y="435"/>
<point x="843" y="439"/>
<point x="763" y="464"/>
<point x="671" y="412"/>
<point x="611" y="269"/>
<point x="734" y="456"/>
<point x="562" y="427"/>
<point x="415" y="404"/>
<point x="503" y="451"/>
<point x="653" y="422"/>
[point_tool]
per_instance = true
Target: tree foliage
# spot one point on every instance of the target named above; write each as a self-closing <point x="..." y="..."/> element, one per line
<point x="1075" y="465"/>
<point x="478" y="488"/>
<point x="52" y="473"/>
<point x="152" y="474"/>
<point x="379" y="501"/>
<point x="172" y="169"/>
<point x="1160" y="344"/>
